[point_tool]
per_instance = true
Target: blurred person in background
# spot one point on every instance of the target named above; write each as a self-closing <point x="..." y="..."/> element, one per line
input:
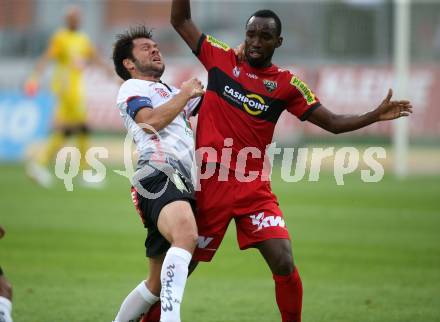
<point x="71" y="50"/>
<point x="5" y="293"/>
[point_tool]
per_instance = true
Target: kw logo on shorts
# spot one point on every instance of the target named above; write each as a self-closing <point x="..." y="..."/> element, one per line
<point x="203" y="242"/>
<point x="262" y="221"/>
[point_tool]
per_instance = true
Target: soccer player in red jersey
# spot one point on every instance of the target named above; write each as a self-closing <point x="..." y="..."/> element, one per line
<point x="242" y="104"/>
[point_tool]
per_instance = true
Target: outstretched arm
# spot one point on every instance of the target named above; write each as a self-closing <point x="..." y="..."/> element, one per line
<point x="336" y="123"/>
<point x="182" y="22"/>
<point x="41" y="64"/>
<point x="32" y="83"/>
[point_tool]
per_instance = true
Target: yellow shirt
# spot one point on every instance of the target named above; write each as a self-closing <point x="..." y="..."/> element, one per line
<point x="71" y="51"/>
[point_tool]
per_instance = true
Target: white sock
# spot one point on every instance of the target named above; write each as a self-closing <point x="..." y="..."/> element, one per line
<point x="136" y="303"/>
<point x="173" y="278"/>
<point x="5" y="310"/>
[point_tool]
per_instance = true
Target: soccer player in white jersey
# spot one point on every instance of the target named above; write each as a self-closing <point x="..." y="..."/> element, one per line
<point x="156" y="115"/>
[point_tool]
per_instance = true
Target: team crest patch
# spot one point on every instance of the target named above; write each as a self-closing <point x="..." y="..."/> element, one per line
<point x="217" y="43"/>
<point x="304" y="90"/>
<point x="270" y="85"/>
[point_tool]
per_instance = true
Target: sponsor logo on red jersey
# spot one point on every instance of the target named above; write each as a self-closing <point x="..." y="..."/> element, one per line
<point x="217" y="43"/>
<point x="252" y="103"/>
<point x="304" y="90"/>
<point x="251" y="75"/>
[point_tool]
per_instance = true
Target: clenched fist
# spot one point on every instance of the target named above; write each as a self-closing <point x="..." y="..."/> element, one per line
<point x="192" y="88"/>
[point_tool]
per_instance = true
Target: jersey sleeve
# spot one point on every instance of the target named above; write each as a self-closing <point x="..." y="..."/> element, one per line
<point x="211" y="51"/>
<point x="133" y="97"/>
<point x="301" y="101"/>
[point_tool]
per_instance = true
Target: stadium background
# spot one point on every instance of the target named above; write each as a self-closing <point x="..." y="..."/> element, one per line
<point x="367" y="252"/>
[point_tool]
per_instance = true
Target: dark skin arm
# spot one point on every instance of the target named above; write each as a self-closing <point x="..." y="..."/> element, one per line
<point x="338" y="123"/>
<point x="182" y="22"/>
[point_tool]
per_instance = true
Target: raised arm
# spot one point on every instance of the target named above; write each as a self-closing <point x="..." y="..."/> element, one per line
<point x="182" y="22"/>
<point x="337" y="123"/>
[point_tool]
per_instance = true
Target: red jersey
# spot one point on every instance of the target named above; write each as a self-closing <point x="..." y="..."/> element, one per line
<point x="244" y="103"/>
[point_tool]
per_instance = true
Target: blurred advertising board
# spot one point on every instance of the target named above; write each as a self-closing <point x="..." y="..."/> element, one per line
<point x="356" y="90"/>
<point x="342" y="89"/>
<point x="23" y="120"/>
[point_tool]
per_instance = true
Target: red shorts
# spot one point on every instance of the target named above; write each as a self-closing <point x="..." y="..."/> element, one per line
<point x="252" y="205"/>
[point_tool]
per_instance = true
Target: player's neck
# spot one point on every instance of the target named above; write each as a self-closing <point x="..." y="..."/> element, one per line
<point x="264" y="65"/>
<point x="148" y="78"/>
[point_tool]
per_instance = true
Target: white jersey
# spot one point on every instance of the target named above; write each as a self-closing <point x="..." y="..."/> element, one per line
<point x="174" y="144"/>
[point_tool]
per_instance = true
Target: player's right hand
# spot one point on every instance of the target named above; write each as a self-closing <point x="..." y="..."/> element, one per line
<point x="31" y="87"/>
<point x="192" y="88"/>
<point x="2" y="232"/>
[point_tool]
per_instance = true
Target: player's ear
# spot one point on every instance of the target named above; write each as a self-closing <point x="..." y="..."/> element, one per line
<point x="128" y="64"/>
<point x="279" y="42"/>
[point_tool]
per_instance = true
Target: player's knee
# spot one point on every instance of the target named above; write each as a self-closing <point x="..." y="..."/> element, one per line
<point x="185" y="232"/>
<point x="186" y="240"/>
<point x="283" y="264"/>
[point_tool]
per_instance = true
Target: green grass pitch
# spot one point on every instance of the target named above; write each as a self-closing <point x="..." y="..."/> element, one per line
<point x="366" y="252"/>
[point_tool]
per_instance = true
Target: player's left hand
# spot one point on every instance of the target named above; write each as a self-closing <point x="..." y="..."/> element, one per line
<point x="2" y="232"/>
<point x="390" y="110"/>
<point x="239" y="52"/>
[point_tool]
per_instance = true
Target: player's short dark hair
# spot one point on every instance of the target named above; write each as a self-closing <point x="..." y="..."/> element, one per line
<point x="267" y="13"/>
<point x="123" y="47"/>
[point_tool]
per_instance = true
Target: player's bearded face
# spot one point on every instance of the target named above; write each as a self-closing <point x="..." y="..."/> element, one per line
<point x="261" y="41"/>
<point x="150" y="67"/>
<point x="147" y="58"/>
